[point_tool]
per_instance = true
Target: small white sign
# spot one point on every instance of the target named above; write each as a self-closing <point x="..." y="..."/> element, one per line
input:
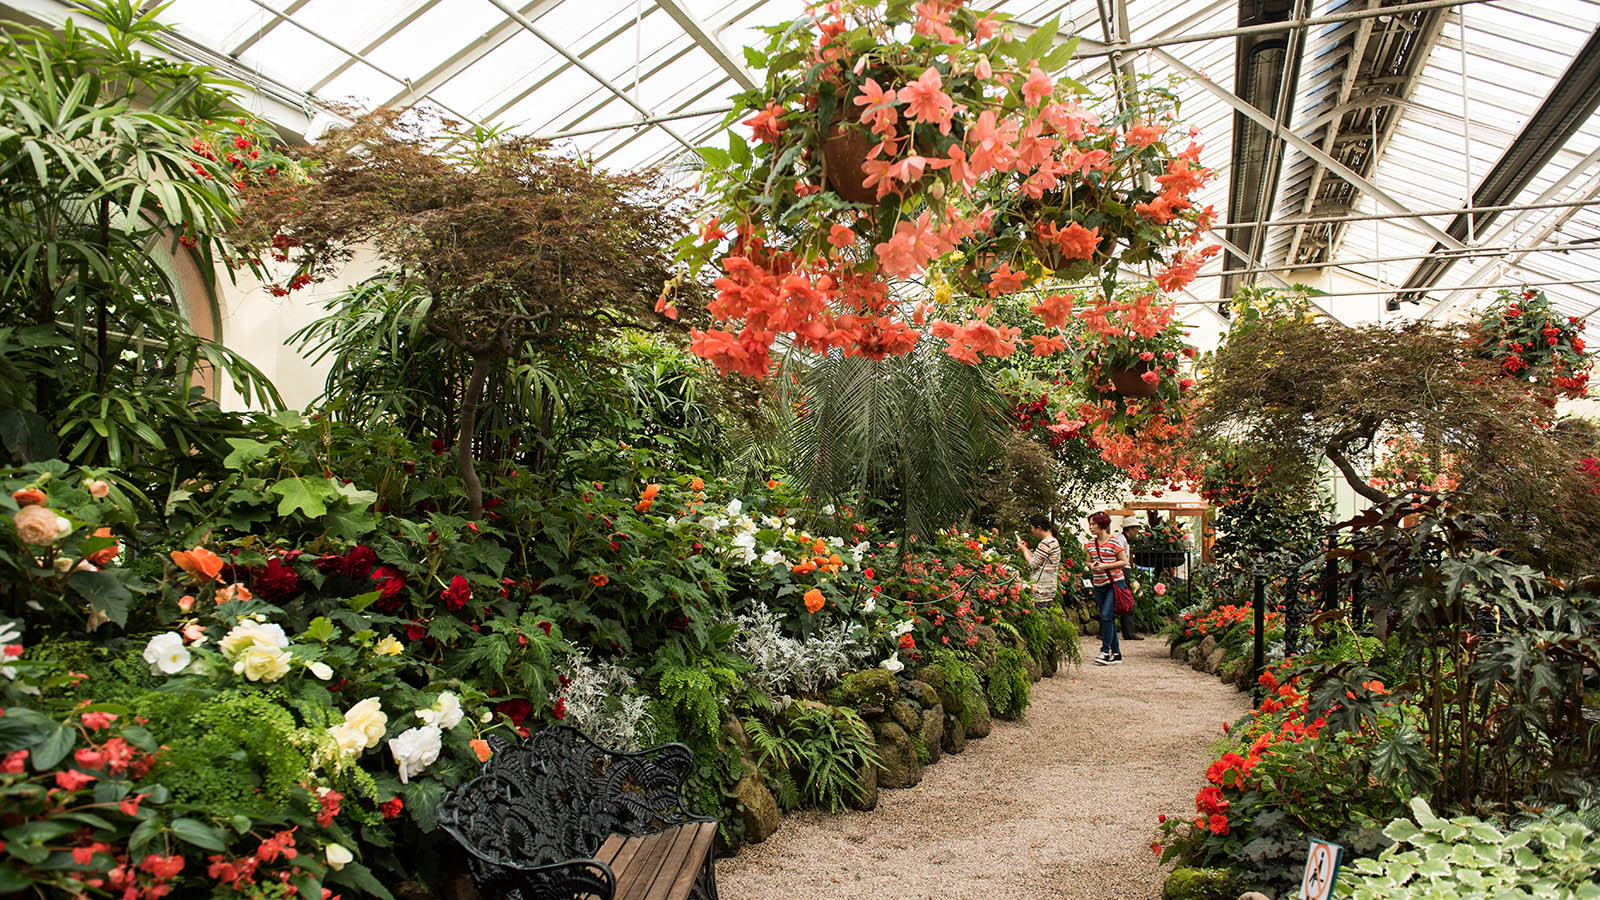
<point x="1322" y="870"/>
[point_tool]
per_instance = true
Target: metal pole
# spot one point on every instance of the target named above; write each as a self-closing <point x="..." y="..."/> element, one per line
<point x="1260" y="663"/>
<point x="1270" y="27"/>
<point x="1510" y="285"/>
<point x="1475" y="253"/>
<point x="1370" y="217"/>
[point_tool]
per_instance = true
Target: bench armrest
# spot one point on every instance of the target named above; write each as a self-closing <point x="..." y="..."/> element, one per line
<point x="655" y="801"/>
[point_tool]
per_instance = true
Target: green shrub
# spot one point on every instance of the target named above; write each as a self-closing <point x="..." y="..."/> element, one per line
<point x="1468" y="858"/>
<point x="1186" y="883"/>
<point x="1009" y="689"/>
<point x="823" y="749"/>
<point x="955" y="680"/>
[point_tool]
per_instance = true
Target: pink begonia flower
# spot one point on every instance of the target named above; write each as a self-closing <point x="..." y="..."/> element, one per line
<point x="925" y="99"/>
<point x="1037" y="87"/>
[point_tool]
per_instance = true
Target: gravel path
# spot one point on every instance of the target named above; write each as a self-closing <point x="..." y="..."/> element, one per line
<point x="1059" y="805"/>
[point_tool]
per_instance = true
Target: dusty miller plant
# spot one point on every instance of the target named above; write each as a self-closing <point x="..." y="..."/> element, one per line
<point x="780" y="664"/>
<point x="598" y="702"/>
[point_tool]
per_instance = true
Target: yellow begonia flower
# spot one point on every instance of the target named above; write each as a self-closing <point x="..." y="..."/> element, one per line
<point x="388" y="646"/>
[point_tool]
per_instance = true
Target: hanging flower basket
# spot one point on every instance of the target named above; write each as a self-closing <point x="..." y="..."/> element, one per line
<point x="1130" y="382"/>
<point x="844" y="154"/>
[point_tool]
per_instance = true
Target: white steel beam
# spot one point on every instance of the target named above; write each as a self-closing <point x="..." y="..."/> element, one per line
<point x="587" y="69"/>
<point x="371" y="46"/>
<point x="266" y="29"/>
<point x="709" y="42"/>
<point x="1306" y="147"/>
<point x="462" y="59"/>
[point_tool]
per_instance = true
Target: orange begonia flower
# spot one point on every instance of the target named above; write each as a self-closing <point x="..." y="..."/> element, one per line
<point x="814" y="600"/>
<point x="480" y="748"/>
<point x="199" y="562"/>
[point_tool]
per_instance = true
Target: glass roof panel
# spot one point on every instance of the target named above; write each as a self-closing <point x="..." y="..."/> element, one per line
<point x="469" y="57"/>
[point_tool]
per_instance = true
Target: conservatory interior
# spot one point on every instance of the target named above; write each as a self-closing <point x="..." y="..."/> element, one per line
<point x="799" y="450"/>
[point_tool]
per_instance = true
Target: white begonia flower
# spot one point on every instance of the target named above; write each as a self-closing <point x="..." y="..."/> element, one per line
<point x="893" y="663"/>
<point x="262" y="662"/>
<point x="772" y="558"/>
<point x="339" y="856"/>
<point x="789" y="521"/>
<point x="166" y="654"/>
<point x="63" y="527"/>
<point x="735" y="506"/>
<point x="744" y="545"/>
<point x="445" y="712"/>
<point x="368" y="718"/>
<point x="771" y="521"/>
<point x="415" y="750"/>
<point x="350" y="740"/>
<point x="487" y="717"/>
<point x="903" y="628"/>
<point x="320" y="670"/>
<point x="10" y="633"/>
<point x="828" y="510"/>
<point x="249" y="633"/>
<point x="870" y="605"/>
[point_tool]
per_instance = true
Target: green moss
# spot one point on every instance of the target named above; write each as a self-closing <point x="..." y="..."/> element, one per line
<point x="1187" y="883"/>
<point x="955" y="680"/>
<point x="871" y="687"/>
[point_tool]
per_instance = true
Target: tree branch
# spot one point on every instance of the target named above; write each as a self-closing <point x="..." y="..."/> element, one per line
<point x="1335" y="452"/>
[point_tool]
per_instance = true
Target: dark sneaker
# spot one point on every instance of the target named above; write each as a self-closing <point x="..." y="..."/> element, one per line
<point x="1104" y="659"/>
<point x="1113" y="660"/>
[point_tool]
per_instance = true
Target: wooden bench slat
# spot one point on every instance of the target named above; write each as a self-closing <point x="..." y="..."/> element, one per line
<point x="693" y="861"/>
<point x="646" y="862"/>
<point x="661" y="854"/>
<point x="609" y="850"/>
<point x="662" y="886"/>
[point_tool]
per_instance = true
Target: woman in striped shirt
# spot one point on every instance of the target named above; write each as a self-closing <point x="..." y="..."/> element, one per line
<point x="1044" y="561"/>
<point x="1108" y="563"/>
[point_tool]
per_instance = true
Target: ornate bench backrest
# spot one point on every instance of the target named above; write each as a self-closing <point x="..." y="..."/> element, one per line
<point x="557" y="795"/>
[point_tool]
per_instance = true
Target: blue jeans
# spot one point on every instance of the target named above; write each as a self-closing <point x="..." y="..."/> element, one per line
<point x="1105" y="597"/>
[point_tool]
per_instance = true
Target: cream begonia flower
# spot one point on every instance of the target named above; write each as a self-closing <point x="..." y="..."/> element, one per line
<point x="388" y="646"/>
<point x="35" y="525"/>
<point x="250" y="633"/>
<point x="262" y="662"/>
<point x="338" y="856"/>
<point x="368" y="718"/>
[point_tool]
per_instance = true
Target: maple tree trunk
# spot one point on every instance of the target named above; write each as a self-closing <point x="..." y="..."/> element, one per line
<point x="469" y="425"/>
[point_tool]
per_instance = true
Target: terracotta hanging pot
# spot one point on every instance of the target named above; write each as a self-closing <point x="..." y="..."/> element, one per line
<point x="1131" y="383"/>
<point x="844" y="151"/>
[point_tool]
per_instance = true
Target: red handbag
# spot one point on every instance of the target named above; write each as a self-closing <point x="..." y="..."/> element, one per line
<point x="1121" y="596"/>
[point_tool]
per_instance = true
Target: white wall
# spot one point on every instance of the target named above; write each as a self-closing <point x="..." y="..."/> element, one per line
<point x="258" y="325"/>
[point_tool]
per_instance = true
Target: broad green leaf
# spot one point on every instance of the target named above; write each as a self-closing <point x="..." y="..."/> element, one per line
<point x="46" y="754"/>
<point x="245" y="451"/>
<point x="198" y="833"/>
<point x="104" y="591"/>
<point x="302" y="494"/>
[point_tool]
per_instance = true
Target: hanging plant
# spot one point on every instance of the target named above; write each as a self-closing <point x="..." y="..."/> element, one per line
<point x="890" y="142"/>
<point x="1530" y="341"/>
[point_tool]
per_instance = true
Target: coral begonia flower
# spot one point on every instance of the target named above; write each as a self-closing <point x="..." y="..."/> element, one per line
<point x="1037" y="87"/>
<point x="1053" y="310"/>
<point x="199" y="562"/>
<point x="28" y="497"/>
<point x="925" y="99"/>
<point x="1045" y="345"/>
<point x="599" y="580"/>
<point x="1004" y="281"/>
<point x="814" y="600"/>
<point x="841" y="236"/>
<point x="1151" y="377"/>
<point x="767" y="125"/>
<point x="878" y="103"/>
<point x="1078" y="242"/>
<point x="1144" y="135"/>
<point x="698" y="484"/>
<point x="480" y="749"/>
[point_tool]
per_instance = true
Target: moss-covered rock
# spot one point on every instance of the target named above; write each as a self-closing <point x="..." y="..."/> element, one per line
<point x="867" y="799"/>
<point x="979" y="723"/>
<point x="906" y="715"/>
<point x="898" y="766"/>
<point x="955" y="735"/>
<point x="933" y="731"/>
<point x="869" y="687"/>
<point x="920" y="692"/>
<point x="757" y="807"/>
<point x="1186" y="883"/>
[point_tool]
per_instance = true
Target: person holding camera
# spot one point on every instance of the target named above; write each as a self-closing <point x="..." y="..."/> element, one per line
<point x="1108" y="564"/>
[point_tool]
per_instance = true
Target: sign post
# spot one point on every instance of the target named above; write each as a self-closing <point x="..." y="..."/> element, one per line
<point x="1322" y="870"/>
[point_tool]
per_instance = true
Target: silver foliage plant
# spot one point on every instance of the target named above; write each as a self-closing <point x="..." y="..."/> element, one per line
<point x="599" y="703"/>
<point x="781" y="665"/>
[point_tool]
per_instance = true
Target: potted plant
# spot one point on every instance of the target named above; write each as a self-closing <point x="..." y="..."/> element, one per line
<point x="1532" y="342"/>
<point x="889" y="142"/>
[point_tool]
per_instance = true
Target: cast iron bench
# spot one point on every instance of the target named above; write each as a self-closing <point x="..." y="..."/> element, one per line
<point x="558" y="816"/>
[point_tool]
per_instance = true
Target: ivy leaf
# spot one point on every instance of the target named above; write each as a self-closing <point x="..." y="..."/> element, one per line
<point x="245" y="451"/>
<point x="301" y="494"/>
